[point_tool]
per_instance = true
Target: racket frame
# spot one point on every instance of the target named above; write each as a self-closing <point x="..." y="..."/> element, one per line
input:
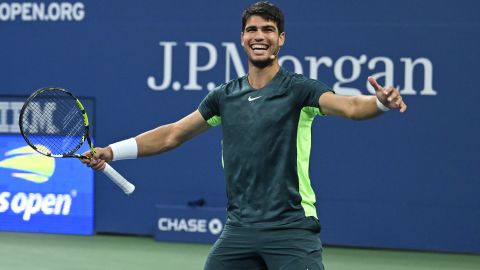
<point x="86" y="126"/>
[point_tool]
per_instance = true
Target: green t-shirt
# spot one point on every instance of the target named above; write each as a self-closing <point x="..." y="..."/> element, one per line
<point x="266" y="147"/>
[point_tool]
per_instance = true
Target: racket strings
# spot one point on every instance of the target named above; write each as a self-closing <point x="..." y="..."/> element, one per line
<point x="53" y="123"/>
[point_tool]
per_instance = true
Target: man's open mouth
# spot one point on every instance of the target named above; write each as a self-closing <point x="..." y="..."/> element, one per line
<point x="259" y="47"/>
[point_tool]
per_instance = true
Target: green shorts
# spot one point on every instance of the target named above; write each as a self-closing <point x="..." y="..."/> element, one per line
<point x="266" y="248"/>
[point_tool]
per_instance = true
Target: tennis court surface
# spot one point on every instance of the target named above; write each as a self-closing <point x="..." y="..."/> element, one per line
<point x="22" y="251"/>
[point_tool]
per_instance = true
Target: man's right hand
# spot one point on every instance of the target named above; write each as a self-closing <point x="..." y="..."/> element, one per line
<point x="99" y="159"/>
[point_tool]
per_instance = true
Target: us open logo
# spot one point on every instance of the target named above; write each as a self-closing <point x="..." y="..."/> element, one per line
<point x="25" y="164"/>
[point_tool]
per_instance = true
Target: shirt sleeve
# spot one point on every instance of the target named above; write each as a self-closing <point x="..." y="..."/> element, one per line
<point x="310" y="92"/>
<point x="209" y="108"/>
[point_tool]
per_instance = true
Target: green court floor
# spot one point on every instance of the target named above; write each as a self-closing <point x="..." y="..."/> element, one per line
<point x="21" y="251"/>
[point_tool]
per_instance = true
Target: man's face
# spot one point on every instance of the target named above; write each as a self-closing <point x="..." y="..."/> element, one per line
<point x="260" y="40"/>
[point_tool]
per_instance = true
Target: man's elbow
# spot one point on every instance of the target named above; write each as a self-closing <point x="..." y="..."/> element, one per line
<point x="356" y="110"/>
<point x="352" y="113"/>
<point x="174" y="138"/>
<point x="172" y="142"/>
<point x="356" y="118"/>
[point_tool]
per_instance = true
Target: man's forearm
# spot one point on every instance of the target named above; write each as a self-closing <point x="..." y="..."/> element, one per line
<point x="364" y="107"/>
<point x="156" y="141"/>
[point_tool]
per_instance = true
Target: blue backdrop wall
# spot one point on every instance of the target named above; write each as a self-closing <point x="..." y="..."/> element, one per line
<point x="398" y="181"/>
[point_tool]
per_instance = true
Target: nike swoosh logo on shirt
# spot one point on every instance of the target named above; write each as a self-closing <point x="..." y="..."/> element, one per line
<point x="252" y="99"/>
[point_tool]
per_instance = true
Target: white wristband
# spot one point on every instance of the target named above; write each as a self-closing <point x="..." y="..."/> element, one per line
<point x="381" y="106"/>
<point x="126" y="149"/>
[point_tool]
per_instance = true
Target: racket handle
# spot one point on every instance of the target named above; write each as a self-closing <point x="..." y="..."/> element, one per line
<point x="118" y="179"/>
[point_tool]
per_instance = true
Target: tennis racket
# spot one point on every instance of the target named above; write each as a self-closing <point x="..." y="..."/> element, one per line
<point x="55" y="124"/>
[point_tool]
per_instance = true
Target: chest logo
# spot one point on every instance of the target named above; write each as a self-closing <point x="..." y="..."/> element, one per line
<point x="252" y="99"/>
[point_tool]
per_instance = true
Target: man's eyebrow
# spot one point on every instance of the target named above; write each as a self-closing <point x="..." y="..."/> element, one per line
<point x="267" y="26"/>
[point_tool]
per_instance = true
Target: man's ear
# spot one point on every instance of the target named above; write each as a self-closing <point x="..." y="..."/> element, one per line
<point x="281" y="39"/>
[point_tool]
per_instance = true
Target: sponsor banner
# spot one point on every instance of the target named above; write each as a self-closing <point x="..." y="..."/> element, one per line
<point x="189" y="224"/>
<point x="42" y="11"/>
<point x="414" y="75"/>
<point x="10" y="112"/>
<point x="38" y="193"/>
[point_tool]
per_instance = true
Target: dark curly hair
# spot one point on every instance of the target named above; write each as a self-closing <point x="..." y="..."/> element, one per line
<point x="266" y="10"/>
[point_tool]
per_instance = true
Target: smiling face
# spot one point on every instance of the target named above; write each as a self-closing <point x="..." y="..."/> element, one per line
<point x="260" y="40"/>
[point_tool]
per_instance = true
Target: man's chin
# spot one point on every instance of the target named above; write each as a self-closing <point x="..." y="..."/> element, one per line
<point x="261" y="63"/>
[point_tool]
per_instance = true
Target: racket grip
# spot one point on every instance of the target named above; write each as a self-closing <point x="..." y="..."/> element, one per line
<point x="118" y="179"/>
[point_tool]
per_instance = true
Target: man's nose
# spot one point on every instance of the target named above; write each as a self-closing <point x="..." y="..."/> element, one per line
<point x="258" y="36"/>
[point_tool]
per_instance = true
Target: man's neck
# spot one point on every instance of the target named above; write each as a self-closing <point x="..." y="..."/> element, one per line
<point x="259" y="77"/>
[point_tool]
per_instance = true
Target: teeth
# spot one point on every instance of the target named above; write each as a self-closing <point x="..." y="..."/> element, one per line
<point x="259" y="47"/>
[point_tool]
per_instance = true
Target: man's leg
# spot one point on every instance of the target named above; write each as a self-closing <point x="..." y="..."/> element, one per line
<point x="292" y="249"/>
<point x="235" y="250"/>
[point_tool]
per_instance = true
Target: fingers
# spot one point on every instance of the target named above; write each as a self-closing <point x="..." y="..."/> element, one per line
<point x="375" y="85"/>
<point x="87" y="155"/>
<point x="394" y="99"/>
<point x="103" y="153"/>
<point x="392" y="95"/>
<point x="96" y="164"/>
<point x="403" y="107"/>
<point x="98" y="160"/>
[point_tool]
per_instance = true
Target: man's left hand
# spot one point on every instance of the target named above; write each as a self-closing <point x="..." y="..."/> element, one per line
<point x="388" y="96"/>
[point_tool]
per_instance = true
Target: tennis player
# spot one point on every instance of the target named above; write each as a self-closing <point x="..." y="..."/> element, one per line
<point x="266" y="118"/>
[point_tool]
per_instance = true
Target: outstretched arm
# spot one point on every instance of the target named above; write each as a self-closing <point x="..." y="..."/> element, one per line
<point x="166" y="137"/>
<point x="362" y="107"/>
<point x="155" y="141"/>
